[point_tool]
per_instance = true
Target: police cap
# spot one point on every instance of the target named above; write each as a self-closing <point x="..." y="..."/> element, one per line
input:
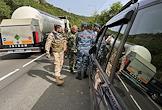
<point x="84" y="24"/>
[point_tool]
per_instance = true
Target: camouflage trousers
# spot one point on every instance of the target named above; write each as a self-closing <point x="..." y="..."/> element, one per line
<point x="58" y="62"/>
<point x="82" y="61"/>
<point x="72" y="59"/>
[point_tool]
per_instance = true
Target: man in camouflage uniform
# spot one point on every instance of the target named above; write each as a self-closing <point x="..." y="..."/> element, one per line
<point x="83" y="44"/>
<point x="71" y="47"/>
<point x="57" y="41"/>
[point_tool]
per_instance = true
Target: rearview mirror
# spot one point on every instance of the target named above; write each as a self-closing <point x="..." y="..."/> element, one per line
<point x="121" y="18"/>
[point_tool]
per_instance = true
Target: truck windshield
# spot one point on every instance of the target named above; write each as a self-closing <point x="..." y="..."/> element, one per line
<point x="16" y="35"/>
<point x="147" y="31"/>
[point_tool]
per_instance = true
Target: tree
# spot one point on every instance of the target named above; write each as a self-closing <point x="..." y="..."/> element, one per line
<point x="114" y="9"/>
<point x="43" y="1"/>
<point x="5" y="10"/>
<point x="13" y="4"/>
<point x="108" y="14"/>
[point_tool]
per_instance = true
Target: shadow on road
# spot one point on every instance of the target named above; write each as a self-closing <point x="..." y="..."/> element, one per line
<point x="49" y="68"/>
<point x="15" y="56"/>
<point x="74" y="95"/>
<point x="43" y="60"/>
<point x="43" y="74"/>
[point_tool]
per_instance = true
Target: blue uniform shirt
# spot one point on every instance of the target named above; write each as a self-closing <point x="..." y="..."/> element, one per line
<point x="84" y="41"/>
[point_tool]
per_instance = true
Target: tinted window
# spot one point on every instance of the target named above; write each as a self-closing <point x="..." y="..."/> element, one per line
<point x="107" y="47"/>
<point x="147" y="31"/>
<point x="114" y="44"/>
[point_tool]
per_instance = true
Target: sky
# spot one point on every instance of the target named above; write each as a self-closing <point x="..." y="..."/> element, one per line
<point x="84" y="7"/>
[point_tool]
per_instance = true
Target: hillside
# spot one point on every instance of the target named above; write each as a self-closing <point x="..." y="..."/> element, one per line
<point x="8" y="6"/>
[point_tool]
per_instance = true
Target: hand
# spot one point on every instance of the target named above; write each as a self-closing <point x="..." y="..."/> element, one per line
<point x="75" y="52"/>
<point x="109" y="39"/>
<point x="65" y="50"/>
<point x="48" y="55"/>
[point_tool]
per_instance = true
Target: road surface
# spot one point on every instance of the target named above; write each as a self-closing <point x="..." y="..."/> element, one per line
<point x="27" y="84"/>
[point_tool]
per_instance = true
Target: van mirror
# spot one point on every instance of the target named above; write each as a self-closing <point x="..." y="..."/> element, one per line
<point x="121" y="18"/>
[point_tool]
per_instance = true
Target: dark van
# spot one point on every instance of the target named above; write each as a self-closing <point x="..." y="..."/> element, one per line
<point x="126" y="62"/>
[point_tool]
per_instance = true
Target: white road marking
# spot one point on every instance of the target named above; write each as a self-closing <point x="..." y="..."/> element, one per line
<point x="123" y="83"/>
<point x="136" y="102"/>
<point x="6" y="76"/>
<point x="16" y="70"/>
<point x="33" y="60"/>
<point x="133" y="97"/>
<point x="129" y="92"/>
<point x="2" y="54"/>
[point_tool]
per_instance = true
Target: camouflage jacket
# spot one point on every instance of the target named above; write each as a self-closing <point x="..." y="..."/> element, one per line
<point x="56" y="41"/>
<point x="71" y="42"/>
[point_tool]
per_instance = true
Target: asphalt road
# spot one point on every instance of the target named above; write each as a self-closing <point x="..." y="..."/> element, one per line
<point x="27" y="83"/>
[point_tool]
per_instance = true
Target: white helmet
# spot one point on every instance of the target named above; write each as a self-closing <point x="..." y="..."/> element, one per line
<point x="140" y="50"/>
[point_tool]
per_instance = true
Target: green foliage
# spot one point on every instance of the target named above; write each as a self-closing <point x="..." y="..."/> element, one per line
<point x="115" y="8"/>
<point x="4" y="10"/>
<point x="7" y="7"/>
<point x="108" y="14"/>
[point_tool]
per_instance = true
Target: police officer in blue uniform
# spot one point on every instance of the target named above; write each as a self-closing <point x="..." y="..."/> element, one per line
<point x="84" y="40"/>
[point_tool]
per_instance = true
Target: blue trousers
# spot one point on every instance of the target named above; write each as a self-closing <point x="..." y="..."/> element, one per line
<point x="82" y="61"/>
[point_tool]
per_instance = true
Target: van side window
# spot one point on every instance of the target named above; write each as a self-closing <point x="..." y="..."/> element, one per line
<point x="114" y="46"/>
<point x="107" y="43"/>
<point x="147" y="31"/>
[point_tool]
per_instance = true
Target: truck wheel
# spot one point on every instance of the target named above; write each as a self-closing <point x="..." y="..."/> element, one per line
<point x="42" y="50"/>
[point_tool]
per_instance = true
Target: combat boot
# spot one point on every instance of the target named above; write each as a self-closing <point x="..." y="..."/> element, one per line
<point x="72" y="70"/>
<point x="85" y="75"/>
<point x="59" y="81"/>
<point x="79" y="77"/>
